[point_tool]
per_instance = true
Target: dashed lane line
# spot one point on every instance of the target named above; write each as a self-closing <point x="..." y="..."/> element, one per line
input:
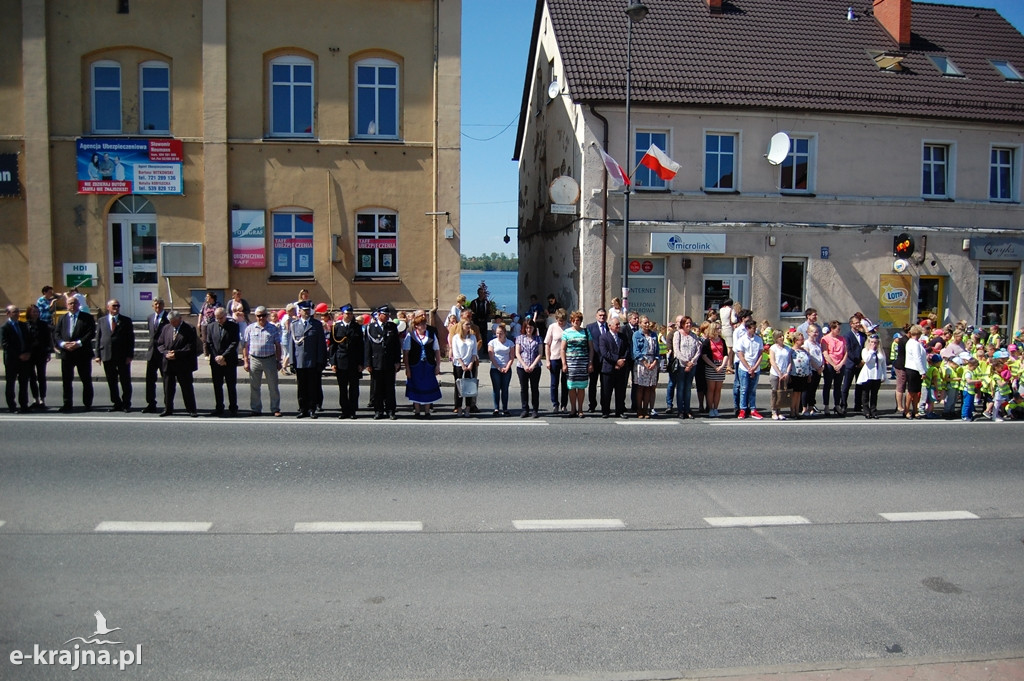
<point x="135" y="526"/>
<point x="369" y="526"/>
<point x="570" y="524"/>
<point x="757" y="521"/>
<point x="918" y="516"/>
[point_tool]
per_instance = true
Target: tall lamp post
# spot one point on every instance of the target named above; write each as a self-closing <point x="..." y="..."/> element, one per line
<point x="635" y="13"/>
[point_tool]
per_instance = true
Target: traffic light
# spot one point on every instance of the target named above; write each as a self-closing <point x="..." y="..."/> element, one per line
<point x="902" y="246"/>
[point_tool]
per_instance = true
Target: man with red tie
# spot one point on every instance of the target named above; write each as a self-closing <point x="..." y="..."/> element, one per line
<point x="115" y="341"/>
<point x="73" y="336"/>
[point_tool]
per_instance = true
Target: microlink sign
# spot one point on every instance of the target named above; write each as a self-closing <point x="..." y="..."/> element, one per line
<point x="687" y="243"/>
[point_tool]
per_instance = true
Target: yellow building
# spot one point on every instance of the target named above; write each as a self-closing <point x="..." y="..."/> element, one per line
<point x="166" y="147"/>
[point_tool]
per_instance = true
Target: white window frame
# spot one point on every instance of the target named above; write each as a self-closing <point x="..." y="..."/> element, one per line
<point x="94" y="88"/>
<point x="653" y="182"/>
<point x="378" y="264"/>
<point x="793" y="310"/>
<point x="142" y="96"/>
<point x="293" y="271"/>
<point x="1014" y="166"/>
<point x="949" y="167"/>
<point x="812" y="157"/>
<point x="362" y="131"/>
<point x="291" y="61"/>
<point x="735" y="134"/>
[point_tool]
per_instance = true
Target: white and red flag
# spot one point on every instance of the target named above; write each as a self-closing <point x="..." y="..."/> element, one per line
<point x="659" y="162"/>
<point x="618" y="175"/>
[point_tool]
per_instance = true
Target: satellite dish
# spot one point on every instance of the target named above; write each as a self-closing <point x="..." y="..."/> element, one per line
<point x="900" y="265"/>
<point x="554" y="89"/>
<point x="778" y="148"/>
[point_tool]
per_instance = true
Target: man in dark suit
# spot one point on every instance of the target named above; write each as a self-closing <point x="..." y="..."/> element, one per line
<point x="382" y="357"/>
<point x="179" y="346"/>
<point x="632" y="326"/>
<point x="115" y="341"/>
<point x="347" y="357"/>
<point x="222" y="338"/>
<point x="614" y="350"/>
<point x="17" y="349"/>
<point x="856" y="339"/>
<point x="308" y="352"/>
<point x="595" y="330"/>
<point x="154" y="360"/>
<point x="73" y="336"/>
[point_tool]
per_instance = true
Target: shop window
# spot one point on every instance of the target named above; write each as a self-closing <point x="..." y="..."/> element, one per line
<point x="377" y="244"/>
<point x="793" y="286"/>
<point x="292" y="234"/>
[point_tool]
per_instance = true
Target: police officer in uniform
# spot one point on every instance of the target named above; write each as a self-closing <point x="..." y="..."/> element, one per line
<point x="308" y="352"/>
<point x="382" y="357"/>
<point x="347" y="360"/>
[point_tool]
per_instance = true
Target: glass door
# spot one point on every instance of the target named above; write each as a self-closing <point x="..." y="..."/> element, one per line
<point x="726" y="278"/>
<point x="995" y="299"/>
<point x="134" y="277"/>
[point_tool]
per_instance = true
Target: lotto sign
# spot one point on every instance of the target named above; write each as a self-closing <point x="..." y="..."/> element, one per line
<point x="894" y="300"/>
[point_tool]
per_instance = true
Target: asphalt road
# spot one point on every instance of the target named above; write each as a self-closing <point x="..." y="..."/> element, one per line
<point x="408" y="550"/>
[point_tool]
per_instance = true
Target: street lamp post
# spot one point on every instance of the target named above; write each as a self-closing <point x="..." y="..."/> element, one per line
<point x="635" y="13"/>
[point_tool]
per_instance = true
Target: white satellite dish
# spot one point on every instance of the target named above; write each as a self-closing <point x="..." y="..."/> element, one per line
<point x="554" y="89"/>
<point x="778" y="148"/>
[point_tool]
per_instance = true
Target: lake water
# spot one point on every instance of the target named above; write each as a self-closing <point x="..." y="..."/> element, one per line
<point x="502" y="286"/>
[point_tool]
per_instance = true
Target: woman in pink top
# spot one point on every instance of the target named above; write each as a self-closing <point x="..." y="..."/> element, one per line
<point x="833" y="347"/>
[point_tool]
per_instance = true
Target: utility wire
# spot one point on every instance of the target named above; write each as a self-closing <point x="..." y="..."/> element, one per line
<point x="488" y="139"/>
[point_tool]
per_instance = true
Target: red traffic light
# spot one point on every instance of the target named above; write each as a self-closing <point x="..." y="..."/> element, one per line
<point x="903" y="246"/>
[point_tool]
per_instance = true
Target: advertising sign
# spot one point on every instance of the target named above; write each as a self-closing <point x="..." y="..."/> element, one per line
<point x="894" y="300"/>
<point x="687" y="243"/>
<point x="127" y="166"/>
<point x="81" y="274"/>
<point x="9" y="185"/>
<point x="248" y="238"/>
<point x="647" y="290"/>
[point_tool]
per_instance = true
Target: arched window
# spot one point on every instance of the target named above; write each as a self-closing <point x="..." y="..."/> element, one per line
<point x="376" y="112"/>
<point x="155" y="98"/>
<point x="106" y="97"/>
<point x="291" y="97"/>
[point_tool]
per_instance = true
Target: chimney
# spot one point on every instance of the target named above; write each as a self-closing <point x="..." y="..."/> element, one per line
<point x="715" y="6"/>
<point x="894" y="16"/>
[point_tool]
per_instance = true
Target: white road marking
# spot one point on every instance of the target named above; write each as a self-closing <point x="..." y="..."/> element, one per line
<point x="570" y="524"/>
<point x="757" y="521"/>
<point x="928" y="515"/>
<point x="146" y="526"/>
<point x="370" y="526"/>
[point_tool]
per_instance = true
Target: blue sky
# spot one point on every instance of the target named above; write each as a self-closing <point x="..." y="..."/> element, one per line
<point x="495" y="42"/>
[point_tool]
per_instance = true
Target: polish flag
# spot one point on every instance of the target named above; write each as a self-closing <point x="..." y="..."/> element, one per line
<point x="617" y="174"/>
<point x="660" y="163"/>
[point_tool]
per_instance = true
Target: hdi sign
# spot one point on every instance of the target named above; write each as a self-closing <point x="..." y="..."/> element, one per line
<point x="83" y="274"/>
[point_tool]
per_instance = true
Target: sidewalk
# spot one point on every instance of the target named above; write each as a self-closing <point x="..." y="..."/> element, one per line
<point x="1005" y="669"/>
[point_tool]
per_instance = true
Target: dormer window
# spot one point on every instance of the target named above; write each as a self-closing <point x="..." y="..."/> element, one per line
<point x="1006" y="69"/>
<point x="946" y="66"/>
<point x="887" y="60"/>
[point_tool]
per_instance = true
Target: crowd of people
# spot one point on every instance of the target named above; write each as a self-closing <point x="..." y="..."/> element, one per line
<point x="610" y="366"/>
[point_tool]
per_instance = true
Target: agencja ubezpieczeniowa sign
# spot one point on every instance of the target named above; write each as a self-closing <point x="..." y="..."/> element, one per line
<point x="112" y="165"/>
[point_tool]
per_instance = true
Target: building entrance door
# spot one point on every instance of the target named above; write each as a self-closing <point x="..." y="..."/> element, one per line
<point x="726" y="278"/>
<point x="133" y="252"/>
<point x="995" y="301"/>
